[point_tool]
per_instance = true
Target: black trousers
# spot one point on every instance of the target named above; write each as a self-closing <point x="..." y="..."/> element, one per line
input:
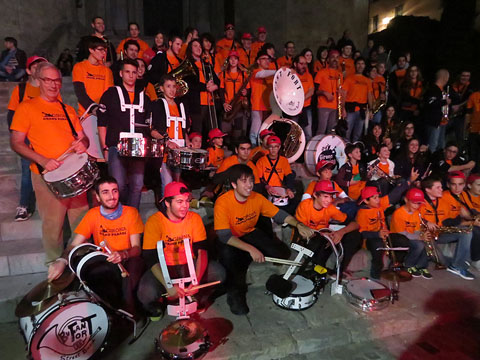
<point x="398" y="240"/>
<point x="236" y="261"/>
<point x="475" y="245"/>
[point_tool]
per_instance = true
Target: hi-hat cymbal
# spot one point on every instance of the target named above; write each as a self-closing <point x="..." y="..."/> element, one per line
<point x="182" y="333"/>
<point x="396" y="275"/>
<point x="27" y="307"/>
<point x="47" y="289"/>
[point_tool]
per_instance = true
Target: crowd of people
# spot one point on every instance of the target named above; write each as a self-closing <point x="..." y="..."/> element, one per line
<point x="198" y="93"/>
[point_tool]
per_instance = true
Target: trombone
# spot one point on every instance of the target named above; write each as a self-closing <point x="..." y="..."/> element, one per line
<point x="212" y="111"/>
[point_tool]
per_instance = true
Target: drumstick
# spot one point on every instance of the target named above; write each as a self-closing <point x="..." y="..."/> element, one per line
<point x="61" y="157"/>
<point x="282" y="261"/>
<point x="198" y="287"/>
<point x="120" y="266"/>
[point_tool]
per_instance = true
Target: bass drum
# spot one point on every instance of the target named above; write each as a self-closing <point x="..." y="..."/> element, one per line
<point x="292" y="136"/>
<point x="325" y="147"/>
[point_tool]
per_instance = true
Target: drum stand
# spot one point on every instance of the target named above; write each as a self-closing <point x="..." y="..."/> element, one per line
<point x="336" y="287"/>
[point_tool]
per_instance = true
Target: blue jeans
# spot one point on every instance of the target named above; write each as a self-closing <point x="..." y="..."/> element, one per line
<point x="462" y="250"/>
<point x="128" y="172"/>
<point x="436" y="137"/>
<point x="327" y="120"/>
<point x="27" y="195"/>
<point x="15" y="75"/>
<point x="416" y="255"/>
<point x="355" y="126"/>
<point x="256" y="123"/>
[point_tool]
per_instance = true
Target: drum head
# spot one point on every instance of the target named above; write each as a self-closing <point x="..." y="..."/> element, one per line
<point x="288" y="92"/>
<point x="71" y="164"/>
<point x="303" y="286"/>
<point x="184" y="338"/>
<point x="78" y="252"/>
<point x="362" y="288"/>
<point x="325" y="147"/>
<point x="90" y="129"/>
<point x="74" y="331"/>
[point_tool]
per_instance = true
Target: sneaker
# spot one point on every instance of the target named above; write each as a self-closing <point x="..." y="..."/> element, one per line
<point x="238" y="304"/>
<point x="425" y="273"/>
<point x="463" y="273"/>
<point x="22" y="214"/>
<point x="414" y="271"/>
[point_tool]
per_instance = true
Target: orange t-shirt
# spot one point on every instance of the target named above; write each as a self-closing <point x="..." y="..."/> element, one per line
<point x="261" y="89"/>
<point x="264" y="167"/>
<point x="183" y="51"/>
<point x="347" y="64"/>
<point x="357" y="87"/>
<point x="355" y="190"/>
<point x="284" y="61"/>
<point x="96" y="78"/>
<point x="256" y="150"/>
<point x="224" y="46"/>
<point x="233" y="160"/>
<point x="256" y="46"/>
<point x="312" y="184"/>
<point x="385" y="167"/>
<point x="402" y="220"/>
<point x="307" y="83"/>
<point x="160" y="228"/>
<point x="116" y="233"/>
<point x="173" y="61"/>
<point x="150" y="92"/>
<point x="400" y="74"/>
<point x="241" y="217"/>
<point x="378" y="86"/>
<point x="428" y="211"/>
<point x="231" y="82"/>
<point x="454" y="206"/>
<point x="472" y="201"/>
<point x="327" y="80"/>
<point x="474" y="103"/>
<point x="30" y="93"/>
<point x="317" y="66"/>
<point x="317" y="219"/>
<point x="46" y="127"/>
<point x="247" y="58"/>
<point x="373" y="219"/>
<point x="215" y="156"/>
<point x="143" y="46"/>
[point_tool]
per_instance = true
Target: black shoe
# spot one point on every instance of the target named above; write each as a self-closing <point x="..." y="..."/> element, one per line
<point x="238" y="303"/>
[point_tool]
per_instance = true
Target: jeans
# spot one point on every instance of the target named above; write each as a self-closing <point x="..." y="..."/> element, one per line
<point x="462" y="250"/>
<point x="436" y="137"/>
<point x="129" y="174"/>
<point x="416" y="255"/>
<point x="15" y="75"/>
<point x="304" y="119"/>
<point x="27" y="195"/>
<point x="255" y="126"/>
<point x="327" y="120"/>
<point x="355" y="126"/>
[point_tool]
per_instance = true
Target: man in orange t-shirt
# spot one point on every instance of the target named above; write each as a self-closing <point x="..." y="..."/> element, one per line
<point x="226" y="44"/>
<point x="327" y="84"/>
<point x="261" y="39"/>
<point x="304" y="119"/>
<point x="471" y="198"/>
<point x="134" y="31"/>
<point x="173" y="224"/>
<point x="262" y="149"/>
<point x="359" y="95"/>
<point x="287" y="59"/>
<point x="52" y="128"/>
<point x="118" y="227"/>
<point x="346" y="63"/>
<point x="236" y="214"/>
<point x="247" y="55"/>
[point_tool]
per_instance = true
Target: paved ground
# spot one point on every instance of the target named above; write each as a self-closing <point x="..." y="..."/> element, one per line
<point x="434" y="319"/>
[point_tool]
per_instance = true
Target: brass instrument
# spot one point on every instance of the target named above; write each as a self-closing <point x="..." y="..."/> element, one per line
<point x="339" y="98"/>
<point x="379" y="103"/>
<point x="238" y="100"/>
<point x="445" y="108"/>
<point x="374" y="169"/>
<point x="183" y="70"/>
<point x="212" y="111"/>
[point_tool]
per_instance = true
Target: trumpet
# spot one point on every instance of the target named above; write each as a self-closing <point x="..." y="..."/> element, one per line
<point x="445" y="108"/>
<point x="375" y="170"/>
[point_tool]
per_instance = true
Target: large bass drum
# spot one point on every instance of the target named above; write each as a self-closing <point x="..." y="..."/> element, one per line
<point x="325" y="147"/>
<point x="292" y="136"/>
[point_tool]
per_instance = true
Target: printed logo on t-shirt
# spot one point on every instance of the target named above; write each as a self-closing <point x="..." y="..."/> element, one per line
<point x="176" y="240"/>
<point x="52" y="117"/>
<point x="95" y="76"/>
<point x="410" y="224"/>
<point x="118" y="231"/>
<point x="248" y="217"/>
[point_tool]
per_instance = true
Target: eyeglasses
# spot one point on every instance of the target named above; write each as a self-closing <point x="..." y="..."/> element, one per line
<point x="452" y="151"/>
<point x="409" y="127"/>
<point x="264" y="58"/>
<point x="101" y="49"/>
<point x="49" y="81"/>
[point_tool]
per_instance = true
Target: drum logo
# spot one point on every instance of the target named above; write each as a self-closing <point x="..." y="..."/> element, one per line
<point x="74" y="335"/>
<point x="328" y="153"/>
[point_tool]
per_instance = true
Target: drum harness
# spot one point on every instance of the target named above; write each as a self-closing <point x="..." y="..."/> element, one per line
<point x="175" y="119"/>
<point x="131" y="107"/>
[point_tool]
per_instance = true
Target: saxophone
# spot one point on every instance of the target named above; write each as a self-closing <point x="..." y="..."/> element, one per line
<point x="339" y="98"/>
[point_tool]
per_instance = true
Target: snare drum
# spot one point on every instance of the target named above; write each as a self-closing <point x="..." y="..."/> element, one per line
<point x="76" y="175"/>
<point x="367" y="294"/>
<point x="74" y="327"/>
<point x="187" y="158"/>
<point x="303" y="296"/>
<point x="324" y="147"/>
<point x="281" y="197"/>
<point x="140" y="147"/>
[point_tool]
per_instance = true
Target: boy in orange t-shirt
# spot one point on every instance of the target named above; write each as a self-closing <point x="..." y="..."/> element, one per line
<point x="262" y="149"/>
<point x="316" y="213"/>
<point x="173" y="224"/>
<point x="215" y="150"/>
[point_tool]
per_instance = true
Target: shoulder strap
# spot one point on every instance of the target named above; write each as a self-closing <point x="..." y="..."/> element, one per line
<point x="21" y="91"/>
<point x="274" y="168"/>
<point x="74" y="132"/>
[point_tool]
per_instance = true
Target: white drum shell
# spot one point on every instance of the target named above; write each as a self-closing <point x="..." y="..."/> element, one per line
<point x="281" y="199"/>
<point x="302" y="297"/>
<point x="72" y="328"/>
<point x="358" y="294"/>
<point x="302" y="139"/>
<point x="324" y="147"/>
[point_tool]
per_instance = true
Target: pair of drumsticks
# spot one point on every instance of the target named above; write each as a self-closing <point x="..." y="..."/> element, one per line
<point x="61" y="157"/>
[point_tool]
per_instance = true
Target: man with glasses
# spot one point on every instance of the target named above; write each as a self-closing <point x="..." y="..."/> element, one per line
<point x="98" y="26"/>
<point x="448" y="160"/>
<point x="287" y="59"/>
<point x="53" y="129"/>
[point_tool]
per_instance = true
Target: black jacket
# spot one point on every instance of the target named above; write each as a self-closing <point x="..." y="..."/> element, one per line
<point x="432" y="109"/>
<point x="344" y="175"/>
<point x="20" y="55"/>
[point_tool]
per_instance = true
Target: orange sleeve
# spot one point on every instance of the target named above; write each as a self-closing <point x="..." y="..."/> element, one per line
<point x="311" y="187"/>
<point x="384" y="203"/>
<point x="397" y="224"/>
<point x="78" y="72"/>
<point x="221" y="211"/>
<point x="268" y="209"/>
<point x="470" y="103"/>
<point x="136" y="222"/>
<point x="120" y="46"/>
<point x="302" y="212"/>
<point x="198" y="229"/>
<point x="151" y="93"/>
<point x="152" y="232"/>
<point x="109" y="79"/>
<point x="85" y="228"/>
<point x="14" y="99"/>
<point x="369" y="86"/>
<point x="21" y="119"/>
<point x="230" y="161"/>
<point x="285" y="166"/>
<point x="255" y="172"/>
<point x="336" y="214"/>
<point x="362" y="220"/>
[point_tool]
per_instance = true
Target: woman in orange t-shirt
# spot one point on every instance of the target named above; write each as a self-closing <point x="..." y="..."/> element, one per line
<point x="411" y="95"/>
<point x="321" y="62"/>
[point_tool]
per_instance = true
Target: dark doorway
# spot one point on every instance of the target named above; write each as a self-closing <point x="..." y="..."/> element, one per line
<point x="163" y="16"/>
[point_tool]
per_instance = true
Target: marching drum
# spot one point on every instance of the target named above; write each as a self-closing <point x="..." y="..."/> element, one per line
<point x="89" y="125"/>
<point x="187" y="158"/>
<point x="291" y="134"/>
<point x="280" y="198"/>
<point x="303" y="296"/>
<point x="73" y="327"/>
<point x="367" y="294"/>
<point x="140" y="147"/>
<point x="75" y="176"/>
<point x="324" y="147"/>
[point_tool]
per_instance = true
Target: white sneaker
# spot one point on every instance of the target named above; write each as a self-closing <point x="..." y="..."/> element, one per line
<point x="22" y="214"/>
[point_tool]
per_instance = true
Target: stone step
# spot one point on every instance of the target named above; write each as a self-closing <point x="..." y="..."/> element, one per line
<point x="22" y="256"/>
<point x="12" y="230"/>
<point x="9" y="162"/>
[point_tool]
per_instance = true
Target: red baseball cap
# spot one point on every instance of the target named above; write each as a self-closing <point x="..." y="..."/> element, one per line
<point x="322" y="163"/>
<point x="332" y="52"/>
<point x="472" y="177"/>
<point x="229" y="27"/>
<point x="266" y="132"/>
<point x="415" y="195"/>
<point x="216" y="133"/>
<point x="33" y="59"/>
<point x="368" y="192"/>
<point x="262" y="29"/>
<point x="247" y="36"/>
<point x="234" y="53"/>
<point x="175" y="188"/>
<point x="274" y="140"/>
<point x="194" y="135"/>
<point x="456" y="174"/>
<point x="325" y="186"/>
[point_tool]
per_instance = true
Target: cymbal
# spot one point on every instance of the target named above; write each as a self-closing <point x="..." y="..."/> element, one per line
<point x="27" y="307"/>
<point x="47" y="289"/>
<point x="398" y="275"/>
<point x="182" y="333"/>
